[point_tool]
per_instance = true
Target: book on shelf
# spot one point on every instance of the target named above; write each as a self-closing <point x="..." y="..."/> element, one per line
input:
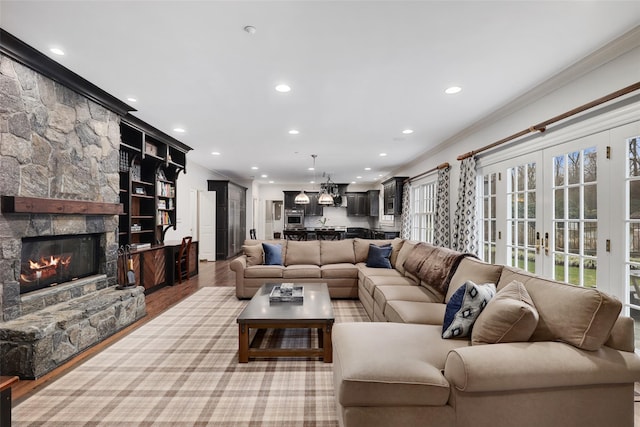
<point x="138" y="246"/>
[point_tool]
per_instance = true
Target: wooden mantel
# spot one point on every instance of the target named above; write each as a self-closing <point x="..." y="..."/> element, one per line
<point x="36" y="205"/>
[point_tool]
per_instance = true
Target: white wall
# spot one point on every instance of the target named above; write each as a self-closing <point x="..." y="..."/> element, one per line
<point x="195" y="179"/>
<point x="546" y="103"/>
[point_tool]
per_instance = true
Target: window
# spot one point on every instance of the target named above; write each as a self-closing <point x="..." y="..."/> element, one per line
<point x="423" y="206"/>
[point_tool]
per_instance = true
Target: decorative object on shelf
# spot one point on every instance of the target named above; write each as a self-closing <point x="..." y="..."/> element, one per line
<point x="287" y="292"/>
<point x="124" y="161"/>
<point x="135" y="172"/>
<point x="150" y="148"/>
<point x="161" y="175"/>
<point x="140" y="190"/>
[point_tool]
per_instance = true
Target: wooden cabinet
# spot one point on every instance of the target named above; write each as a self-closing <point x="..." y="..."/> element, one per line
<point x="231" y="217"/>
<point x="374" y="202"/>
<point x="150" y="162"/>
<point x="393" y="195"/>
<point x="357" y="204"/>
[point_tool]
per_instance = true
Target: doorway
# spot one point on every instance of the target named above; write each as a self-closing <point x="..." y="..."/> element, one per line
<point x="274" y="222"/>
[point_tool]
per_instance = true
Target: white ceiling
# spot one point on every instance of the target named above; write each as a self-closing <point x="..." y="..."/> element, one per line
<point x="360" y="71"/>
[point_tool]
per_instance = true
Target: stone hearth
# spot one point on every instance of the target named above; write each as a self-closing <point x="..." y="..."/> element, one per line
<point x="56" y="144"/>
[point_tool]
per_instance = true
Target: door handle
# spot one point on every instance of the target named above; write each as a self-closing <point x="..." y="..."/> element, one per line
<point x="537" y="242"/>
<point x="546" y="243"/>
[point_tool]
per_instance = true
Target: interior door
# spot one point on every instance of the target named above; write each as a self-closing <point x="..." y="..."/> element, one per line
<point x="207" y="224"/>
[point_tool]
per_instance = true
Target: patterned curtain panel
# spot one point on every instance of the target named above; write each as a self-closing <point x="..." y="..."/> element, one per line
<point x="465" y="228"/>
<point x="405" y="230"/>
<point x="442" y="230"/>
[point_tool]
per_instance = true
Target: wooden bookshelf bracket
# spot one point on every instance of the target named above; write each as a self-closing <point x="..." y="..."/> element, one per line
<point x="36" y="205"/>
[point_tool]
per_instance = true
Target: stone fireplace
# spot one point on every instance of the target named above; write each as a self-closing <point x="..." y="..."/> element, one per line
<point x="59" y="184"/>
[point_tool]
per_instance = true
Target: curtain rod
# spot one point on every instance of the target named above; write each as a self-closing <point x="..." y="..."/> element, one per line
<point x="440" y="166"/>
<point x="542" y="126"/>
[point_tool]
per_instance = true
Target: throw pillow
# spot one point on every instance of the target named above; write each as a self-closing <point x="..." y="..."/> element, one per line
<point x="464" y="307"/>
<point x="379" y="256"/>
<point x="509" y="317"/>
<point x="254" y="253"/>
<point x="272" y="254"/>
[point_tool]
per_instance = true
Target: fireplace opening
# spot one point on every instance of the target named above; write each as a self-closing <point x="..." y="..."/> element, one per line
<point x="53" y="260"/>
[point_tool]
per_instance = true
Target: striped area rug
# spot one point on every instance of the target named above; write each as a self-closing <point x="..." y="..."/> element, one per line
<point x="181" y="369"/>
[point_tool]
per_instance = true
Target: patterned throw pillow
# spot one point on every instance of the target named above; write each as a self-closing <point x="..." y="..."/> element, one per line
<point x="272" y="254"/>
<point x="464" y="307"/>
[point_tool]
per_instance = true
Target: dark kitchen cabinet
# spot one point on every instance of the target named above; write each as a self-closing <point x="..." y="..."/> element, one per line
<point x="313" y="208"/>
<point x="374" y="202"/>
<point x="231" y="217"/>
<point x="393" y="195"/>
<point x="357" y="204"/>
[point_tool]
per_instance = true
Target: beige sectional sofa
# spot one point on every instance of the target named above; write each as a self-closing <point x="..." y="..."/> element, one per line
<point x="541" y="353"/>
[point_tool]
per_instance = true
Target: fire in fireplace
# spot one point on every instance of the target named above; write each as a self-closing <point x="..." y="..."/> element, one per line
<point x="53" y="260"/>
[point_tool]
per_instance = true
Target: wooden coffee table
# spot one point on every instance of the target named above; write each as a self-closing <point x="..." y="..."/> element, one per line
<point x="315" y="312"/>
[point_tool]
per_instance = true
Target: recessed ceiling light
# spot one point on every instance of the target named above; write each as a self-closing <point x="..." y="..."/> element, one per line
<point x="215" y="153"/>
<point x="132" y="99"/>
<point x="294" y="132"/>
<point x="367" y="169"/>
<point x="407" y="131"/>
<point x="255" y="168"/>
<point x="383" y="154"/>
<point x="358" y="177"/>
<point x="56" y="51"/>
<point x="283" y="88"/>
<point x="270" y="182"/>
<point x="264" y="175"/>
<point x="353" y="182"/>
<point x="312" y="182"/>
<point x="453" y="89"/>
<point x="179" y="130"/>
<point x="312" y="169"/>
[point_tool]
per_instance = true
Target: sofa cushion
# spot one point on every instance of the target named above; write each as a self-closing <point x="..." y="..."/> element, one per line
<point x="379" y="256"/>
<point x="475" y="270"/>
<point x="266" y="271"/>
<point x="305" y="252"/>
<point x="585" y="323"/>
<point x="403" y="253"/>
<point x="383" y="294"/>
<point x="272" y="254"/>
<point x="339" y="271"/>
<point x="361" y="247"/>
<point x="396" y="374"/>
<point x="509" y="317"/>
<point x="396" y="244"/>
<point x="371" y="282"/>
<point x="465" y="306"/>
<point x="427" y="313"/>
<point x="337" y="251"/>
<point x="301" y="271"/>
<point x="254" y="253"/>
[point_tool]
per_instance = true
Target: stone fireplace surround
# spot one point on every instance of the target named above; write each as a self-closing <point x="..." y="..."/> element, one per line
<point x="57" y="145"/>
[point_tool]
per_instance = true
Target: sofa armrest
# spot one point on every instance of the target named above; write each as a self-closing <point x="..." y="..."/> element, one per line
<point x="238" y="264"/>
<point x="530" y="365"/>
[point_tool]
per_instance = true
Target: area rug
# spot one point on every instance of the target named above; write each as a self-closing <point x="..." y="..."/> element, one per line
<point x="181" y="369"/>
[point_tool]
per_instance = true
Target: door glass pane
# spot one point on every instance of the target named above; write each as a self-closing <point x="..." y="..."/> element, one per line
<point x="573" y="167"/>
<point x="574" y="203"/>
<point x="634" y="157"/>
<point x="559" y="203"/>
<point x="558" y="170"/>
<point x="531" y="205"/>
<point x="590" y="201"/>
<point x="590" y="167"/>
<point x="559" y="236"/>
<point x="531" y="176"/>
<point x="521" y="220"/>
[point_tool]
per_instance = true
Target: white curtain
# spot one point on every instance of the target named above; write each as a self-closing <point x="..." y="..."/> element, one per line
<point x="405" y="228"/>
<point x="442" y="231"/>
<point x="465" y="228"/>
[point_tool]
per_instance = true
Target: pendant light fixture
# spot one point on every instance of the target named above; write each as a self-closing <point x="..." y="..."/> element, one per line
<point x="301" y="197"/>
<point x="326" y="198"/>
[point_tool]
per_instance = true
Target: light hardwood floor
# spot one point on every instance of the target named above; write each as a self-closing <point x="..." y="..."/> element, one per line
<point x="210" y="274"/>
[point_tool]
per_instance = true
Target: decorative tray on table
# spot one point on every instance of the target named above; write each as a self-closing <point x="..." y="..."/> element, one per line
<point x="287" y="292"/>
